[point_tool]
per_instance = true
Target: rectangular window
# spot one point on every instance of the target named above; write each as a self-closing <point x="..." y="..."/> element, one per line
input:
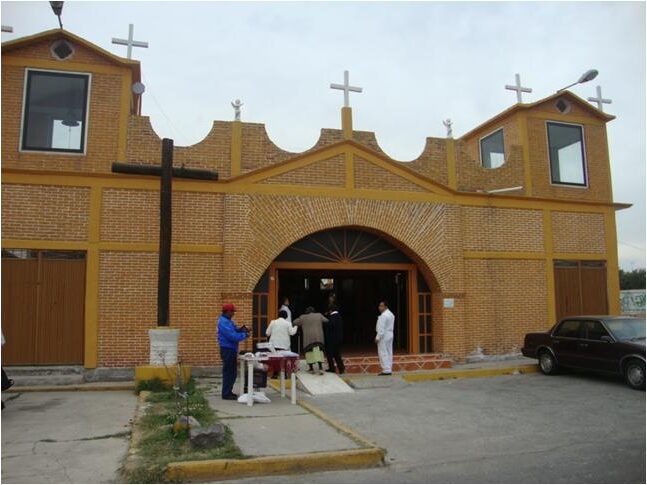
<point x="55" y="111"/>
<point x="492" y="150"/>
<point x="566" y="150"/>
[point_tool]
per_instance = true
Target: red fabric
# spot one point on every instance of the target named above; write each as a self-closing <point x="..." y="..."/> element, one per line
<point x="274" y="364"/>
<point x="228" y="307"/>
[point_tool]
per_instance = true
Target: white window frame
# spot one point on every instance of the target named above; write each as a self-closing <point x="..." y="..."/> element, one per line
<point x="85" y="122"/>
<point x="481" y="153"/>
<point x="584" y="161"/>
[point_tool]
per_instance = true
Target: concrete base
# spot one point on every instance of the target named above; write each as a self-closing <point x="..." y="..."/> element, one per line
<point x="167" y="375"/>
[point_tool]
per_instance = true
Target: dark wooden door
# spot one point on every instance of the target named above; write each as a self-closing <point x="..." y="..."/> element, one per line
<point x="43" y="296"/>
<point x="580" y="288"/>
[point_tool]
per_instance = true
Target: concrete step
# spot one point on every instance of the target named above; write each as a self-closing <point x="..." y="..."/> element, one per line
<point x="45" y="380"/>
<point x="43" y="370"/>
<point x="370" y="364"/>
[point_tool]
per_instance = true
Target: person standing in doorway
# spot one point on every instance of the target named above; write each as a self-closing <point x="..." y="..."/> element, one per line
<point x="384" y="338"/>
<point x="228" y="337"/>
<point x="311" y="323"/>
<point x="333" y="335"/>
<point x="285" y="307"/>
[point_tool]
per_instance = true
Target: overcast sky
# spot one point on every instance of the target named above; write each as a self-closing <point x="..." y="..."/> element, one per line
<point x="418" y="62"/>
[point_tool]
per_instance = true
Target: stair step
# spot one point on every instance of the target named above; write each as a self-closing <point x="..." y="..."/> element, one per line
<point x="54" y="370"/>
<point x="43" y="380"/>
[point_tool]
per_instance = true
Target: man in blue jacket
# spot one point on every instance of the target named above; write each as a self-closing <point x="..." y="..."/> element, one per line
<point x="228" y="337"/>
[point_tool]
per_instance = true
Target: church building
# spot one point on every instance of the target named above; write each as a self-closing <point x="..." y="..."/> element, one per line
<point x="476" y="242"/>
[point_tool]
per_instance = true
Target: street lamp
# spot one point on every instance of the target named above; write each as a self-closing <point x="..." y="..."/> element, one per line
<point x="57" y="7"/>
<point x="586" y="77"/>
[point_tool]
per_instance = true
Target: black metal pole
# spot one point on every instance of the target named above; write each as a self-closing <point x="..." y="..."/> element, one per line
<point x="164" y="270"/>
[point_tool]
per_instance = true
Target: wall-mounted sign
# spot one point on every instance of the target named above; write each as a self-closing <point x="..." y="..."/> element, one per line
<point x="448" y="303"/>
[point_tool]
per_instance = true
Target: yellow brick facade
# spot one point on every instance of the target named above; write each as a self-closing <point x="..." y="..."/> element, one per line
<point x="491" y="254"/>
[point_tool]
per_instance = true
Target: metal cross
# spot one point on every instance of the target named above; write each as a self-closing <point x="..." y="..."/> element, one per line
<point x="517" y="87"/>
<point x="7" y="28"/>
<point x="130" y="42"/>
<point x="346" y="88"/>
<point x="599" y="100"/>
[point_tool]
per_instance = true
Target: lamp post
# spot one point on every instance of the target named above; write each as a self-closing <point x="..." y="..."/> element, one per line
<point x="586" y="77"/>
<point x="57" y="7"/>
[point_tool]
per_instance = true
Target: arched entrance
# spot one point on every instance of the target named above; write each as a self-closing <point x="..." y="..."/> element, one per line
<point x="361" y="267"/>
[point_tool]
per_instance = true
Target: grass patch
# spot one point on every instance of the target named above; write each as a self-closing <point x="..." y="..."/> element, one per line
<point x="159" y="445"/>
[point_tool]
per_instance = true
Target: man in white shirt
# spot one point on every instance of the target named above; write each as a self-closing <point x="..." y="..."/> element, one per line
<point x="384" y="338"/>
<point x="279" y="331"/>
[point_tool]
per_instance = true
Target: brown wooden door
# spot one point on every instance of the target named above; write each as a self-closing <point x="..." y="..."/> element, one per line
<point x="580" y="288"/>
<point x="43" y="295"/>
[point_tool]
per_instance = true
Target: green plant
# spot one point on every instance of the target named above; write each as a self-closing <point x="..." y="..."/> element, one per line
<point x="153" y="385"/>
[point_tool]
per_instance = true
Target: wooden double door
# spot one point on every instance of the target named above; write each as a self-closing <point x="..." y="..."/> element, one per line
<point x="580" y="288"/>
<point x="43" y="296"/>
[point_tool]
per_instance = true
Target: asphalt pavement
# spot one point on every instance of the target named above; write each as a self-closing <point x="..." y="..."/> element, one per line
<point x="571" y="428"/>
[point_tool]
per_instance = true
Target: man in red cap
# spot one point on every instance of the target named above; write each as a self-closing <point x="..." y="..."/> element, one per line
<point x="228" y="337"/>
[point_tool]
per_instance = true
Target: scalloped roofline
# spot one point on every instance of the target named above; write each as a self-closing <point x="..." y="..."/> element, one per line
<point x="528" y="106"/>
<point x="132" y="64"/>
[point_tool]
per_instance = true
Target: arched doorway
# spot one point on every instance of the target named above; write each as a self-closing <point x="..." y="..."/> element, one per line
<point x="361" y="267"/>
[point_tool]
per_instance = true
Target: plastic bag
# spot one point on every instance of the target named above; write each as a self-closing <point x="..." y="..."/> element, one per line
<point x="259" y="397"/>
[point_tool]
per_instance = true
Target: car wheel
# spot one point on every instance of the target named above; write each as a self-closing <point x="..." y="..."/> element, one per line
<point x="635" y="374"/>
<point x="547" y="362"/>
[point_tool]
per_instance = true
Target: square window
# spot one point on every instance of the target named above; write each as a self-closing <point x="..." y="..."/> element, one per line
<point x="55" y="111"/>
<point x="492" y="150"/>
<point x="566" y="150"/>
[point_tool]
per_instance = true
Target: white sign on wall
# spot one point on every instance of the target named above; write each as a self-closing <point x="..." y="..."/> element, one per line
<point x="448" y="303"/>
<point x="632" y="301"/>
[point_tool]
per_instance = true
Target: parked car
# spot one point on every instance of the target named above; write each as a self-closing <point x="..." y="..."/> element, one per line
<point x="601" y="343"/>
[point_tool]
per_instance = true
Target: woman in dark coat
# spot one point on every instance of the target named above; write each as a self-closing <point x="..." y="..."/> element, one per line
<point x="334" y="338"/>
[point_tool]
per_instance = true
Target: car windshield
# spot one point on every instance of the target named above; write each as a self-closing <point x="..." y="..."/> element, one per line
<point x="629" y="329"/>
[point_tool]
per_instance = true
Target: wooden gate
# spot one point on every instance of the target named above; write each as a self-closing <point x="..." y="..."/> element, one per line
<point x="43" y="296"/>
<point x="580" y="288"/>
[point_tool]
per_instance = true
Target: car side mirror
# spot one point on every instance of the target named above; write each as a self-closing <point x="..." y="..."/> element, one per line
<point x="607" y="339"/>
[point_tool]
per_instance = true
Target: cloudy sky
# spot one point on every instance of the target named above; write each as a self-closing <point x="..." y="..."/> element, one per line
<point x="418" y="62"/>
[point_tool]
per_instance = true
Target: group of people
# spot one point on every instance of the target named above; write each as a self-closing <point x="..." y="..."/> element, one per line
<point x="322" y="339"/>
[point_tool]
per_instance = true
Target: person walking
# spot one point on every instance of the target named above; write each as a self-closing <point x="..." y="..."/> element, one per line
<point x="334" y="336"/>
<point x="279" y="332"/>
<point x="228" y="337"/>
<point x="384" y="338"/>
<point x="311" y="323"/>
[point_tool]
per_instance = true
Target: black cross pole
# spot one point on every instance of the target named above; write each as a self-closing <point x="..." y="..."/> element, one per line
<point x="167" y="172"/>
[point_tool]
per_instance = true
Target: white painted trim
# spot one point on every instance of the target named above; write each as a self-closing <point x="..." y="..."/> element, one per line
<point x="585" y="161"/>
<point x="481" y="154"/>
<point x="85" y="122"/>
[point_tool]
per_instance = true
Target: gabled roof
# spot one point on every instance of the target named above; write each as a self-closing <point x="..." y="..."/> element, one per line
<point x="528" y="106"/>
<point x="61" y="33"/>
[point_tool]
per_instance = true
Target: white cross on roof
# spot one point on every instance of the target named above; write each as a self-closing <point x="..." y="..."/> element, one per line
<point x="346" y="88"/>
<point x="599" y="100"/>
<point x="130" y="42"/>
<point x="517" y="87"/>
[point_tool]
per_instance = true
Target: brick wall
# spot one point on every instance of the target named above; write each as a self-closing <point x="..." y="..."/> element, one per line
<point x="370" y="176"/>
<point x="504" y="300"/>
<point x="490" y="229"/>
<point x="329" y="172"/>
<point x="128" y="306"/>
<point x="45" y="212"/>
<point x="578" y="232"/>
<point x="133" y="216"/>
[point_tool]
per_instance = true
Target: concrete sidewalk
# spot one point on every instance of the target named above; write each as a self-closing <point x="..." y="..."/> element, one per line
<point x="65" y="437"/>
<point x="277" y="428"/>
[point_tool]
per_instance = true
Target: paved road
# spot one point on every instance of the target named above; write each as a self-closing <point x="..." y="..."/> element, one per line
<point x="65" y="437"/>
<point x="509" y="429"/>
